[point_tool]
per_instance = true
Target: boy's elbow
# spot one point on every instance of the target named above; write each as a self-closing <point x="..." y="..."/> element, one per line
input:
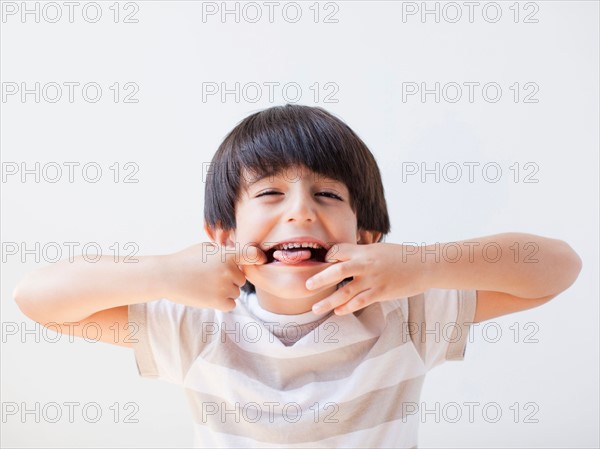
<point x="579" y="265"/>
<point x="576" y="264"/>
<point x="26" y="301"/>
<point x="22" y="300"/>
<point x="572" y="264"/>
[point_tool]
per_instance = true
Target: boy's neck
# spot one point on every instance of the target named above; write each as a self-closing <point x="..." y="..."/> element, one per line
<point x="287" y="306"/>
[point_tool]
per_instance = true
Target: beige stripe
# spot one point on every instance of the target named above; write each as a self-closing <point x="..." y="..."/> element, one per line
<point x="416" y="315"/>
<point x="144" y="359"/>
<point x="466" y="312"/>
<point x="457" y="341"/>
<point x="292" y="373"/>
<point x="273" y="425"/>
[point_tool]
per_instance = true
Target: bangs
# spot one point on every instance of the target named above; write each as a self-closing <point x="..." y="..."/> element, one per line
<point x="267" y="146"/>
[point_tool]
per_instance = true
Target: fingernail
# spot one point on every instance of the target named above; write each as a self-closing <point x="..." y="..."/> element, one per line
<point x="310" y="284"/>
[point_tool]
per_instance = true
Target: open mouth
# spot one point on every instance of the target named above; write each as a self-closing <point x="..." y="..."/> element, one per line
<point x="316" y="255"/>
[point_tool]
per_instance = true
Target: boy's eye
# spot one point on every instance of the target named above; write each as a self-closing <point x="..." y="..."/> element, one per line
<point x="328" y="194"/>
<point x="331" y="195"/>
<point x="269" y="192"/>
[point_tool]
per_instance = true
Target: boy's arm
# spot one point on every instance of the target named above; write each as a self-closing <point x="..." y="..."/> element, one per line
<point x="82" y="292"/>
<point x="203" y="275"/>
<point x="511" y="272"/>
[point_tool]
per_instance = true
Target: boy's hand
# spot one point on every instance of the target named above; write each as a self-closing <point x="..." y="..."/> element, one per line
<point x="379" y="273"/>
<point x="208" y="275"/>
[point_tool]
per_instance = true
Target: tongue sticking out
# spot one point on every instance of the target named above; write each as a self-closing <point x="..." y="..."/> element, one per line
<point x="292" y="256"/>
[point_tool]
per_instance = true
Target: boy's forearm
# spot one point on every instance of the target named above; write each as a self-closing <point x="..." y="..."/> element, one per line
<point x="523" y="265"/>
<point x="71" y="291"/>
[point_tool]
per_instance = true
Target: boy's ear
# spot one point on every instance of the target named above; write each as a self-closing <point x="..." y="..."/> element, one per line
<point x="367" y="237"/>
<point x="220" y="236"/>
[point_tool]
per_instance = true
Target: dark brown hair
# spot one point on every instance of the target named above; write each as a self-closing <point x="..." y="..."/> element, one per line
<point x="280" y="137"/>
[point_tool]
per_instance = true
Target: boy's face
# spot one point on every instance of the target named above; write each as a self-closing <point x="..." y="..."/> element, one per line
<point x="294" y="203"/>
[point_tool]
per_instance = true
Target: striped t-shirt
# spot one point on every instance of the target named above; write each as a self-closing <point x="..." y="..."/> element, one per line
<point x="258" y="379"/>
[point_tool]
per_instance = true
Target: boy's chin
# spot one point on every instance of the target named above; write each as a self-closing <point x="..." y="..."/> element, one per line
<point x="285" y="281"/>
<point x="291" y="293"/>
<point x="288" y="284"/>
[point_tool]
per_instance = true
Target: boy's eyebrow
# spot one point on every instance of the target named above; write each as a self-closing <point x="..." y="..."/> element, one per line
<point x="318" y="177"/>
<point x="256" y="179"/>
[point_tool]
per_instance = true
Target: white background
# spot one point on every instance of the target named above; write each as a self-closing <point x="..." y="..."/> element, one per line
<point x="369" y="53"/>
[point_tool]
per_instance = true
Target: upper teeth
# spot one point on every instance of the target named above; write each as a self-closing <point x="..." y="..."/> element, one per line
<point x="297" y="245"/>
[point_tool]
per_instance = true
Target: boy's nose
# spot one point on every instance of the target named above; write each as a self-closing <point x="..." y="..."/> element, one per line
<point x="301" y="208"/>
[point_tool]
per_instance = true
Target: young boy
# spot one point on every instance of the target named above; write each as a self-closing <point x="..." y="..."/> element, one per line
<point x="297" y="326"/>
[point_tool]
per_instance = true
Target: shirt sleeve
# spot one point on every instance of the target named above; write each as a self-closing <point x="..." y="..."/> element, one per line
<point x="168" y="338"/>
<point x="439" y="323"/>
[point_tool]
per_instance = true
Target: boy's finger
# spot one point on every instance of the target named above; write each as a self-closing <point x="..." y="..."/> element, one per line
<point x="251" y="255"/>
<point x="329" y="277"/>
<point x="336" y="299"/>
<point x="338" y="252"/>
